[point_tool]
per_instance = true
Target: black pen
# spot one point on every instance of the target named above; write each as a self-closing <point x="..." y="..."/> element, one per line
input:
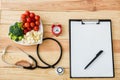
<point x="97" y="55"/>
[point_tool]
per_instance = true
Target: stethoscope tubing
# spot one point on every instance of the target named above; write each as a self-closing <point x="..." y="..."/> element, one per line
<point x="37" y="51"/>
<point x="48" y="65"/>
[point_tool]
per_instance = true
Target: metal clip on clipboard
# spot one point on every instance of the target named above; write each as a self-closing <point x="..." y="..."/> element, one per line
<point x="90" y="21"/>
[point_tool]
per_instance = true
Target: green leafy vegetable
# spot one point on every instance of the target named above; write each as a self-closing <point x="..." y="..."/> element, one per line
<point x="16" y="31"/>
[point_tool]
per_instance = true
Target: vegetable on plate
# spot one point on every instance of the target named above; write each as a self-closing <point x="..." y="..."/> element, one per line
<point x="29" y="23"/>
<point x="16" y="31"/>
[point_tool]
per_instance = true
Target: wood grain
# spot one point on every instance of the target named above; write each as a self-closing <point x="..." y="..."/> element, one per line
<point x="0" y="5"/>
<point x="55" y="11"/>
<point x="61" y="5"/>
<point x="40" y="74"/>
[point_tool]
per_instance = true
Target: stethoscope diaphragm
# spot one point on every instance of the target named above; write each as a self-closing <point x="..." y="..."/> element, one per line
<point x="59" y="70"/>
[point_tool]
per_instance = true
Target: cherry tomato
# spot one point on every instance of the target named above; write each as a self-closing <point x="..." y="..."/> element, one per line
<point x="23" y="26"/>
<point x="23" y="19"/>
<point x="27" y="24"/>
<point x="32" y="15"/>
<point x="32" y="24"/>
<point x="27" y="13"/>
<point x="29" y="28"/>
<point x="23" y="16"/>
<point x="37" y="23"/>
<point x="33" y="20"/>
<point x="25" y="31"/>
<point x="36" y="28"/>
<point x="37" y="17"/>
<point x="29" y="19"/>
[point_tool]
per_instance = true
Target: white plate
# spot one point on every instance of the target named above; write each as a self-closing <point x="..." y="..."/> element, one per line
<point x="41" y="37"/>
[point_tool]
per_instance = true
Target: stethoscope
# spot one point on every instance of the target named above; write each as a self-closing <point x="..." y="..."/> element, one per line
<point x="59" y="70"/>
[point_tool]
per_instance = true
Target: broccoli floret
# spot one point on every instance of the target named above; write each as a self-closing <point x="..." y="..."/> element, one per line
<point x="20" y="37"/>
<point x="15" y="38"/>
<point x="16" y="32"/>
<point x="19" y="24"/>
<point x="10" y="34"/>
<point x="11" y="29"/>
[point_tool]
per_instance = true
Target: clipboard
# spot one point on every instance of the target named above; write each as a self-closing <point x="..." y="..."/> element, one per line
<point x="86" y="39"/>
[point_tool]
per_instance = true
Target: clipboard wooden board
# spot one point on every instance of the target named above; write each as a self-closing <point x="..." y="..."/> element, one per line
<point x="87" y="38"/>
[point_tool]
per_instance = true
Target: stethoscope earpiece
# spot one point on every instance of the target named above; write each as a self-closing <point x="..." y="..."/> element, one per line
<point x="59" y="70"/>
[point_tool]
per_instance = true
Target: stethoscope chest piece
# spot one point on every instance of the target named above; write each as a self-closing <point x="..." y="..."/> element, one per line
<point x="59" y="70"/>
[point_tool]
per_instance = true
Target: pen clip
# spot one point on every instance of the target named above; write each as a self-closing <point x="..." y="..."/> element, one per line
<point x="99" y="53"/>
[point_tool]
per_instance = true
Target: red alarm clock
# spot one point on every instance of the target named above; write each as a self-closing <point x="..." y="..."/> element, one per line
<point x="56" y="29"/>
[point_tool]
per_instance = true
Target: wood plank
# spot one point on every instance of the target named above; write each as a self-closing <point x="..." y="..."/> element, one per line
<point x="49" y="18"/>
<point x="6" y="41"/>
<point x="61" y="17"/>
<point x="61" y="5"/>
<point x="64" y="42"/>
<point x="47" y="31"/>
<point x="0" y="11"/>
<point x="46" y="56"/>
<point x="40" y="74"/>
<point x="63" y="37"/>
<point x="0" y="5"/>
<point x="64" y="61"/>
<point x="65" y="28"/>
<point x="0" y="17"/>
<point x="37" y="74"/>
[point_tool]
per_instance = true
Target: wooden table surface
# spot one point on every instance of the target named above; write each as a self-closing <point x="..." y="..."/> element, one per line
<point x="56" y="11"/>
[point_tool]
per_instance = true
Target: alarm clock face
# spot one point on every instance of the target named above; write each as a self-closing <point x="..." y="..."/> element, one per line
<point x="56" y="29"/>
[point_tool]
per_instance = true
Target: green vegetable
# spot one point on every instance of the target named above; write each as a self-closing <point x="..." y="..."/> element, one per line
<point x="19" y="24"/>
<point x="20" y="37"/>
<point x="16" y="31"/>
<point x="14" y="38"/>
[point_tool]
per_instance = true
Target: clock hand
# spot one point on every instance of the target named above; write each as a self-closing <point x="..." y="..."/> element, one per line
<point x="97" y="55"/>
<point x="57" y="30"/>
